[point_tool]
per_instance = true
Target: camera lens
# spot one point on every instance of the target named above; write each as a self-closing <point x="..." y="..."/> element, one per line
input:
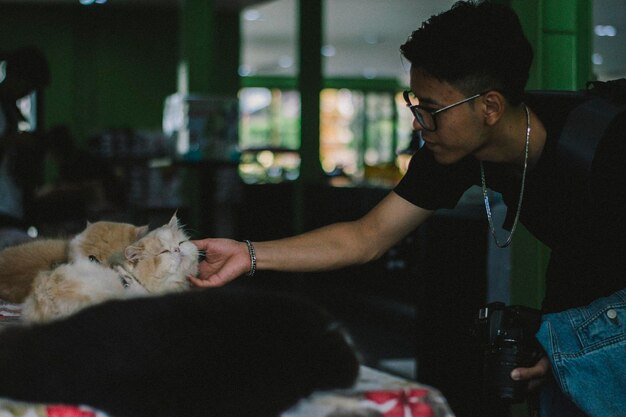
<point x="500" y="360"/>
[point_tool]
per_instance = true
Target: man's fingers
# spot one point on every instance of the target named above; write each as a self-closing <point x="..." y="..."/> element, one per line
<point x="203" y="283"/>
<point x="538" y="371"/>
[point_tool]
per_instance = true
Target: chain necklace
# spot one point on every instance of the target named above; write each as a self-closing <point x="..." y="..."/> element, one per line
<point x="521" y="192"/>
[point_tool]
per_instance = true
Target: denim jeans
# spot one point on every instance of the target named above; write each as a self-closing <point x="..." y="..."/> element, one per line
<point x="587" y="349"/>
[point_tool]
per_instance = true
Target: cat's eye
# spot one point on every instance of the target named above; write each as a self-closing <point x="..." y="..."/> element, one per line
<point x="92" y="258"/>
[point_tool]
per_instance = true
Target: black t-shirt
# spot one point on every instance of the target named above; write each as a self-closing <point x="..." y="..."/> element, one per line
<point x="585" y="232"/>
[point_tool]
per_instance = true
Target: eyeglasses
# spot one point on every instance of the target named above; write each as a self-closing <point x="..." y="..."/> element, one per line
<point x="427" y="117"/>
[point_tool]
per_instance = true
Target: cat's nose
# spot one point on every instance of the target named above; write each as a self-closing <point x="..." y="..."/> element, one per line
<point x="177" y="249"/>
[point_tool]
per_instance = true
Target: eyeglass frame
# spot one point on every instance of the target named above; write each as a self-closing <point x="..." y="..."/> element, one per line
<point x="433" y="113"/>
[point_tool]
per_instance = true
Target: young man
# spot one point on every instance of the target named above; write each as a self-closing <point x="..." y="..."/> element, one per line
<point x="469" y="68"/>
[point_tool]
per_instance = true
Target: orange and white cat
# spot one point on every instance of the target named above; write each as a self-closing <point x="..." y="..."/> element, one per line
<point x="19" y="265"/>
<point x="157" y="263"/>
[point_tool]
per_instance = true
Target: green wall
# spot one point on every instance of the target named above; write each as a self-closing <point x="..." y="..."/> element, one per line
<point x="110" y="67"/>
<point x="560" y="32"/>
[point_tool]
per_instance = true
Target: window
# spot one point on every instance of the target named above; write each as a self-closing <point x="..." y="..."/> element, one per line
<point x="362" y="132"/>
<point x="269" y="137"/>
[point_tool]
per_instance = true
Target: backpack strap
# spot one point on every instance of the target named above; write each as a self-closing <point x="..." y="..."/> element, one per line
<point x="585" y="117"/>
<point x="584" y="128"/>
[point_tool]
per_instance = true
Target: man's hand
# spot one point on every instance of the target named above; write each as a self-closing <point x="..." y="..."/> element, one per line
<point x="224" y="260"/>
<point x="535" y="374"/>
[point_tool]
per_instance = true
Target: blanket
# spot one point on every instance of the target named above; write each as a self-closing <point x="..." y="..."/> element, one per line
<point x="376" y="394"/>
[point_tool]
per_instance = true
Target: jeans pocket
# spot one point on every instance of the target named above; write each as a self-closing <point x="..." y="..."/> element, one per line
<point x="606" y="325"/>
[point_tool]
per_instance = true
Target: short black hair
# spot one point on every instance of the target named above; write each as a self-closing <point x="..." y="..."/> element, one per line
<point x="475" y="46"/>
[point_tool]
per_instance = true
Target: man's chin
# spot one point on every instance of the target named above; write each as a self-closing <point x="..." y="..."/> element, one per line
<point x="444" y="158"/>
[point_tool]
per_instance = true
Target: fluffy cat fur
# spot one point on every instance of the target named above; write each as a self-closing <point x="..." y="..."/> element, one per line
<point x="157" y="263"/>
<point x="217" y="352"/>
<point x="102" y="240"/>
<point x="20" y="264"/>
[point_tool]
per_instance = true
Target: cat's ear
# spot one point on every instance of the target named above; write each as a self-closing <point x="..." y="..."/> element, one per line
<point x="132" y="253"/>
<point x="174" y="220"/>
<point x="141" y="231"/>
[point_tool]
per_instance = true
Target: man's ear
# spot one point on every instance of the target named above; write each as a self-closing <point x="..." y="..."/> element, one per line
<point x="494" y="105"/>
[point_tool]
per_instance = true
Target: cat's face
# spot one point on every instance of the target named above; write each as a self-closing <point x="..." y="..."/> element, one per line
<point x="163" y="258"/>
<point x="100" y="240"/>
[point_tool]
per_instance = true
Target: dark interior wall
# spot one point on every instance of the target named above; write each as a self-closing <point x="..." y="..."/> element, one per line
<point x="111" y="67"/>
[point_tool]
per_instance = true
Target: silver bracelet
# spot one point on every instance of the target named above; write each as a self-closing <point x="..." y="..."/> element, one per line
<point x="252" y="258"/>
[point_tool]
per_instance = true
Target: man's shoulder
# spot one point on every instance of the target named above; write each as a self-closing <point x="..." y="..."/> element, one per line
<point x="588" y="128"/>
<point x="554" y="106"/>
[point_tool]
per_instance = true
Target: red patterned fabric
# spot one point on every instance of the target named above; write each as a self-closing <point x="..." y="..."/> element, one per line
<point x="67" y="411"/>
<point x="401" y="403"/>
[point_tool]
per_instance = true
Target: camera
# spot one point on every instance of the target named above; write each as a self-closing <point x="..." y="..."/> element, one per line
<point x="506" y="335"/>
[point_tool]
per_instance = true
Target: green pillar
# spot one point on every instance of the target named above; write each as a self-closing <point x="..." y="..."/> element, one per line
<point x="561" y="34"/>
<point x="228" y="47"/>
<point x="198" y="52"/>
<point x="567" y="45"/>
<point x="310" y="77"/>
<point x="209" y="61"/>
<point x="560" y="31"/>
<point x="310" y="84"/>
<point x="210" y="44"/>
